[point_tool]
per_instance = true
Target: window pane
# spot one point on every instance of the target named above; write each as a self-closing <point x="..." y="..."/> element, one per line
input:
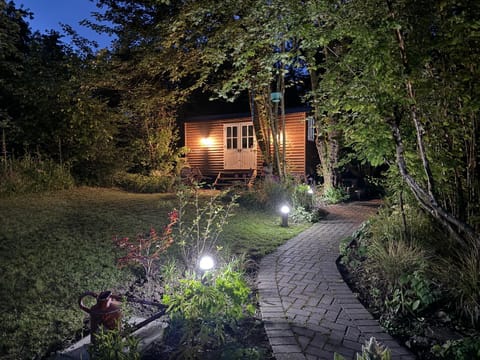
<point x="229" y="143"/>
<point x="244" y="130"/>
<point x="229" y="131"/>
<point x="234" y="131"/>
<point x="235" y="143"/>
<point x="250" y="130"/>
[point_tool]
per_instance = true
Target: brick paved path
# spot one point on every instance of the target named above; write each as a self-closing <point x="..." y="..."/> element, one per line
<point x="308" y="310"/>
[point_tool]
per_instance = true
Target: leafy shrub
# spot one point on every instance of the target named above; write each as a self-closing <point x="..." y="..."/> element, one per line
<point x="413" y="295"/>
<point x="332" y="195"/>
<point x="206" y="307"/>
<point x="32" y="175"/>
<point x="154" y="183"/>
<point x="462" y="349"/>
<point x="146" y="249"/>
<point x="110" y="344"/>
<point x="200" y="223"/>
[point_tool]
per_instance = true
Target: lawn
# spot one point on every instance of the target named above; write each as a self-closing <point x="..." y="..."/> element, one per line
<point x="55" y="246"/>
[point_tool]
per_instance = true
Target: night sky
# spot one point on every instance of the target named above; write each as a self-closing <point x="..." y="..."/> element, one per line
<point x="49" y="13"/>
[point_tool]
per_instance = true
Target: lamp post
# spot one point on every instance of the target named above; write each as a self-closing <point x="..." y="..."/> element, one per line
<point x="285" y="210"/>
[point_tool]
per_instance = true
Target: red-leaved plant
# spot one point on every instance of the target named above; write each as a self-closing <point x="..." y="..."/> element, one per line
<point x="145" y="249"/>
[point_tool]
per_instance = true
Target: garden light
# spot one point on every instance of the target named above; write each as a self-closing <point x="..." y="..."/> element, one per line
<point x="206" y="263"/>
<point x="310" y="191"/>
<point x="285" y="210"/>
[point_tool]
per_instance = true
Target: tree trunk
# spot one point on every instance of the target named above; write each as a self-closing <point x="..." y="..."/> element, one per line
<point x="460" y="231"/>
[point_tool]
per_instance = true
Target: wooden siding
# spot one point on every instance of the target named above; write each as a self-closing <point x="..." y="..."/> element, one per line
<point x="209" y="158"/>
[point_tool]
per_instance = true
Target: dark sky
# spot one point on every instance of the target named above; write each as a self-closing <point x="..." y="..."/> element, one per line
<point x="49" y="13"/>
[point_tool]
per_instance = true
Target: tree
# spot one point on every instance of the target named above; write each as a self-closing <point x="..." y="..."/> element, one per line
<point x="403" y="56"/>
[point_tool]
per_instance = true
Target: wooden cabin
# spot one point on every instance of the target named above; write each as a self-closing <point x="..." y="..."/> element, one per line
<point x="225" y="148"/>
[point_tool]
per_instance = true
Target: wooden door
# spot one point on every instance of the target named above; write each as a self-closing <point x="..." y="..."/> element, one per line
<point x="240" y="147"/>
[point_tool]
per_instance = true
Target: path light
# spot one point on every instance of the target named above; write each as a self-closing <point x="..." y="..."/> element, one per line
<point x="310" y="191"/>
<point x="285" y="210"/>
<point x="206" y="263"/>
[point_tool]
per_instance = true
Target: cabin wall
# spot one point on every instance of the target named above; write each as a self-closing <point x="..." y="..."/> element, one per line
<point x="208" y="157"/>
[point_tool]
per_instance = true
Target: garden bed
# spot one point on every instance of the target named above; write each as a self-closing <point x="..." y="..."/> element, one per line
<point x="433" y="334"/>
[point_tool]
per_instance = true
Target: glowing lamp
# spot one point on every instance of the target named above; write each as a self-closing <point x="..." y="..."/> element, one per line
<point x="206" y="263"/>
<point x="285" y="210"/>
<point x="206" y="141"/>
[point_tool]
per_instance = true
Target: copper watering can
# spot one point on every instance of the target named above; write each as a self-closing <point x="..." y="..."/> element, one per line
<point x="106" y="313"/>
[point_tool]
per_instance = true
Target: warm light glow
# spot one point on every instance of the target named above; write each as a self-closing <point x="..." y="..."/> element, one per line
<point x="206" y="141"/>
<point x="206" y="263"/>
<point x="285" y="209"/>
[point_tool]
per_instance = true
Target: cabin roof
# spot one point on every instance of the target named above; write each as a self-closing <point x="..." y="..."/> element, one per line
<point x="239" y="115"/>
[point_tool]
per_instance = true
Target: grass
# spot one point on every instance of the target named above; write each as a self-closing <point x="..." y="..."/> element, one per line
<point x="54" y="246"/>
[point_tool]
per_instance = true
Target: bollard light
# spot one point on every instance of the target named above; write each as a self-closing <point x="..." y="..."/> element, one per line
<point x="206" y="263"/>
<point x="310" y="191"/>
<point x="285" y="210"/>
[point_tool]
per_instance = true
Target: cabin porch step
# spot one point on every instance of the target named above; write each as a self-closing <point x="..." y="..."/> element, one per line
<point x="226" y="178"/>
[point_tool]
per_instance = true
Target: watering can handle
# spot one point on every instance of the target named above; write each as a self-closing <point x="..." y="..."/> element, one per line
<point x="80" y="302"/>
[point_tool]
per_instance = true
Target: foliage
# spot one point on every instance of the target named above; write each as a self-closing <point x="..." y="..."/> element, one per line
<point x="372" y="350"/>
<point x="142" y="183"/>
<point x="33" y="174"/>
<point x="332" y="195"/>
<point x="200" y="223"/>
<point x="208" y="306"/>
<point x="395" y="258"/>
<point x="462" y="349"/>
<point x="413" y="295"/>
<point x="110" y="345"/>
<point x="459" y="273"/>
<point x="146" y="249"/>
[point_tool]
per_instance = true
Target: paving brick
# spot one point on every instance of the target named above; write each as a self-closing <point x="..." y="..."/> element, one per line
<point x="289" y="349"/>
<point x="282" y="340"/>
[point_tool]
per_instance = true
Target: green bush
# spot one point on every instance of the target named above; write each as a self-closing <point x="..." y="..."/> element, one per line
<point x="110" y="344"/>
<point x="462" y="349"/>
<point x="138" y="183"/>
<point x="33" y="175"/>
<point x="460" y="275"/>
<point x="414" y="294"/>
<point x="332" y="195"/>
<point x="205" y="307"/>
<point x="394" y="258"/>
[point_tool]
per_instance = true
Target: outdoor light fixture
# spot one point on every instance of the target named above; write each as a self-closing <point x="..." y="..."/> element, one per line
<point x="275" y="97"/>
<point x="207" y="141"/>
<point x="285" y="210"/>
<point x="310" y="191"/>
<point x="206" y="263"/>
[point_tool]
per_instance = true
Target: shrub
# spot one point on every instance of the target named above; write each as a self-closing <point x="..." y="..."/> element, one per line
<point x="205" y="307"/>
<point x="413" y="294"/>
<point x="32" y="175"/>
<point x="462" y="349"/>
<point x="460" y="275"/>
<point x="110" y="344"/>
<point x="200" y="223"/>
<point x="394" y="258"/>
<point x="332" y="195"/>
<point x="154" y="183"/>
<point x="146" y="249"/>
